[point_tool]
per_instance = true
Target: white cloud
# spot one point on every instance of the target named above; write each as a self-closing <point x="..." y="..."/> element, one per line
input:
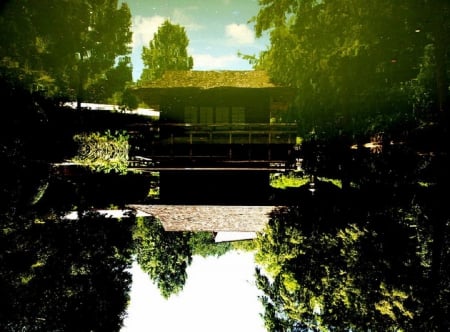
<point x="210" y="62"/>
<point x="144" y="28"/>
<point x="180" y="17"/>
<point x="239" y="34"/>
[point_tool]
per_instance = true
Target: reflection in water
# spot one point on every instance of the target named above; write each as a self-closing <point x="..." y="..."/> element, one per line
<point x="64" y="275"/>
<point x="369" y="247"/>
<point x="163" y="255"/>
<point x="220" y="295"/>
<point x="166" y="255"/>
<point x="374" y="254"/>
<point x="56" y="274"/>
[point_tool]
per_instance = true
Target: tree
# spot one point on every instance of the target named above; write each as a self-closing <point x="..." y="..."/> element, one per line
<point x="203" y="244"/>
<point x="111" y="88"/>
<point x="64" y="46"/>
<point x="57" y="274"/>
<point x="350" y="60"/>
<point x="72" y="275"/>
<point x="167" y="51"/>
<point x="364" y="258"/>
<point x="165" y="256"/>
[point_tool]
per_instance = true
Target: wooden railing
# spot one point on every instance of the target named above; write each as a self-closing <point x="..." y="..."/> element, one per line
<point x="242" y="145"/>
<point x="228" y="134"/>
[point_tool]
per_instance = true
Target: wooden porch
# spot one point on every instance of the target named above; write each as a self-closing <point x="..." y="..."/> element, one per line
<point x="222" y="146"/>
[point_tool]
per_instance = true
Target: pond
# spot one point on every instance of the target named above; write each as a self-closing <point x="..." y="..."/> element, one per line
<point x="358" y="228"/>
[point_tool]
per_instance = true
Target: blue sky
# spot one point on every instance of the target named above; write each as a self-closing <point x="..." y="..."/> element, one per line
<point x="217" y="30"/>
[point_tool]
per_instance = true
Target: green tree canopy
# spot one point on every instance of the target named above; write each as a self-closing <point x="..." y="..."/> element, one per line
<point x="166" y="51"/>
<point x="72" y="275"/>
<point x="64" y="47"/>
<point x="350" y="58"/>
<point x="113" y="86"/>
<point x="371" y="257"/>
<point x="203" y="244"/>
<point x="165" y="256"/>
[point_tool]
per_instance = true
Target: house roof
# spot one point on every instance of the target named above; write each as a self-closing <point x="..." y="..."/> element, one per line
<point x="212" y="79"/>
<point x="212" y="218"/>
<point x="190" y="84"/>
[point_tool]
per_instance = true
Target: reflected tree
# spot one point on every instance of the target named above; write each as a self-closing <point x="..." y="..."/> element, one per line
<point x="165" y="256"/>
<point x="361" y="259"/>
<point x="203" y="244"/>
<point x="55" y="274"/>
<point x="64" y="275"/>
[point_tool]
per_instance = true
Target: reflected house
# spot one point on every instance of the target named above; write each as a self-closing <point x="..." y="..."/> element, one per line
<point x="231" y="236"/>
<point x="228" y="222"/>
<point x="208" y="218"/>
<point x="220" y="134"/>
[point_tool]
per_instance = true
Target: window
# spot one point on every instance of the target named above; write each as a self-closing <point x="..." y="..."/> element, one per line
<point x="209" y="114"/>
<point x="206" y="114"/>
<point x="222" y="114"/>
<point x="237" y="114"/>
<point x="190" y="114"/>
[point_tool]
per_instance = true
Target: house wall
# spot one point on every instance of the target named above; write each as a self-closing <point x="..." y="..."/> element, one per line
<point x="221" y="127"/>
<point x="255" y="102"/>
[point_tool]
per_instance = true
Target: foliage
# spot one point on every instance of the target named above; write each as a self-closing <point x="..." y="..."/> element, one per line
<point x="363" y="258"/>
<point x="354" y="63"/>
<point x="113" y="86"/>
<point x="55" y="274"/>
<point x="165" y="256"/>
<point x="167" y="51"/>
<point x="244" y="245"/>
<point x="127" y="99"/>
<point x="335" y="182"/>
<point x="281" y="181"/>
<point x="62" y="275"/>
<point x="203" y="244"/>
<point x="67" y="47"/>
<point x="103" y="152"/>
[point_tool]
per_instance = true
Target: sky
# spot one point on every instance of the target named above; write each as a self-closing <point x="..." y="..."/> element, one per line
<point x="220" y="295"/>
<point x="217" y="30"/>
